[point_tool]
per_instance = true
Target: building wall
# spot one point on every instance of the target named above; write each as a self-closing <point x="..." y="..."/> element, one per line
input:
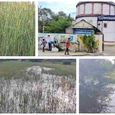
<point x="91" y="20"/>
<point x="69" y="31"/>
<point x="109" y="32"/>
<point x="94" y="8"/>
<point x="91" y="11"/>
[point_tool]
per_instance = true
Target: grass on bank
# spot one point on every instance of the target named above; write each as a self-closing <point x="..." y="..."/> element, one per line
<point x="61" y="69"/>
<point x="17" y="67"/>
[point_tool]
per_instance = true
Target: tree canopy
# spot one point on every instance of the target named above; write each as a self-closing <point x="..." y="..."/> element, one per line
<point x="50" y="22"/>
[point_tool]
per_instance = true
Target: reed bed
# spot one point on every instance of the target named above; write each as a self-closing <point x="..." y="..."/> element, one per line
<point x="17" y="29"/>
<point x="38" y="92"/>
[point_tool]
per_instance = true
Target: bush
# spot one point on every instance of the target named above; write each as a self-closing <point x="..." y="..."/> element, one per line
<point x="89" y="43"/>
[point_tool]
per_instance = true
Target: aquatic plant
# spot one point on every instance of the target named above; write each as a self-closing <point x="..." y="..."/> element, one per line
<point x="41" y="93"/>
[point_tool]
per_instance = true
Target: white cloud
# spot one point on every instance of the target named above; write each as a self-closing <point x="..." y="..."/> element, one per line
<point x="57" y="5"/>
<point x="58" y="1"/>
<point x="67" y="1"/>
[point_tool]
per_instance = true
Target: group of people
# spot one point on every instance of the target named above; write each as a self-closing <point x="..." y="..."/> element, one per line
<point x="44" y="42"/>
<point x="49" y="41"/>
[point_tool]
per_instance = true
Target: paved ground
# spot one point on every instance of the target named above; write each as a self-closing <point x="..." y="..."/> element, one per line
<point x="53" y="53"/>
<point x="109" y="50"/>
<point x="56" y="53"/>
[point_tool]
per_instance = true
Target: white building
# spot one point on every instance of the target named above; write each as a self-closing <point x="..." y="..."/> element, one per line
<point x="99" y="14"/>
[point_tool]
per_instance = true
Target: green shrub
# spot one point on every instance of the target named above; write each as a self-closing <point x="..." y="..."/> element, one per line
<point x="89" y="43"/>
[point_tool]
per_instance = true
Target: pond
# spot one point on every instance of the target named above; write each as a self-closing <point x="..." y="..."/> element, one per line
<point x="97" y="100"/>
<point x="111" y="105"/>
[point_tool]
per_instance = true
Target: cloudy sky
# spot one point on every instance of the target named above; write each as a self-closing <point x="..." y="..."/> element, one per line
<point x="68" y="6"/>
<point x="60" y="5"/>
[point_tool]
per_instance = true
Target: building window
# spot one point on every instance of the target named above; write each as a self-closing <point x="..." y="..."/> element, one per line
<point x="105" y="25"/>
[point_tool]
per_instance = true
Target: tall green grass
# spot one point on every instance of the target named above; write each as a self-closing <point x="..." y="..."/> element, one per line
<point x="17" y="29"/>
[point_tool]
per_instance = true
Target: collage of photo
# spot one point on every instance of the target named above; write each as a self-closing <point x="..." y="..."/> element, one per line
<point x="57" y="56"/>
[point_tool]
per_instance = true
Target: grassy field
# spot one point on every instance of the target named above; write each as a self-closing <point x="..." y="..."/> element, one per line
<point x="17" y="29"/>
<point x="61" y="69"/>
<point x="10" y="68"/>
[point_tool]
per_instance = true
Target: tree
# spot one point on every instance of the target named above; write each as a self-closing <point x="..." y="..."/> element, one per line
<point x="44" y="17"/>
<point x="57" y="26"/>
<point x="62" y="14"/>
<point x="49" y="22"/>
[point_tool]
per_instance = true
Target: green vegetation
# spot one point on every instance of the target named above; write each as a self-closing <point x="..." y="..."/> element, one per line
<point x="90" y="43"/>
<point x="49" y="22"/>
<point x="61" y="69"/>
<point x="11" y="68"/>
<point x="57" y="26"/>
<point x="17" y="29"/>
<point x="16" y="68"/>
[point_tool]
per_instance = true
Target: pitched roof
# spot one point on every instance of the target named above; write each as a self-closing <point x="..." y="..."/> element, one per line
<point x="84" y="24"/>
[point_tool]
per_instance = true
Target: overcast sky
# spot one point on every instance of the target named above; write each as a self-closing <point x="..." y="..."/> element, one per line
<point x="59" y="5"/>
<point x="68" y="6"/>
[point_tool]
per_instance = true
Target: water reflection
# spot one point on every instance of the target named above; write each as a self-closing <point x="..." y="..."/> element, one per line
<point x="97" y="92"/>
<point x="94" y="99"/>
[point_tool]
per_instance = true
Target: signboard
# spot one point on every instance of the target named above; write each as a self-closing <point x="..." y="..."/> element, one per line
<point x="106" y="18"/>
<point x="83" y="31"/>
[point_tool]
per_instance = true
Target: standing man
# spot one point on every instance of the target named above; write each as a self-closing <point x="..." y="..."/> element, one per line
<point x="67" y="45"/>
<point x="49" y="43"/>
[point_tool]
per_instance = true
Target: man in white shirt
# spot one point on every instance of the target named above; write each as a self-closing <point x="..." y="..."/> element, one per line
<point x="49" y="41"/>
